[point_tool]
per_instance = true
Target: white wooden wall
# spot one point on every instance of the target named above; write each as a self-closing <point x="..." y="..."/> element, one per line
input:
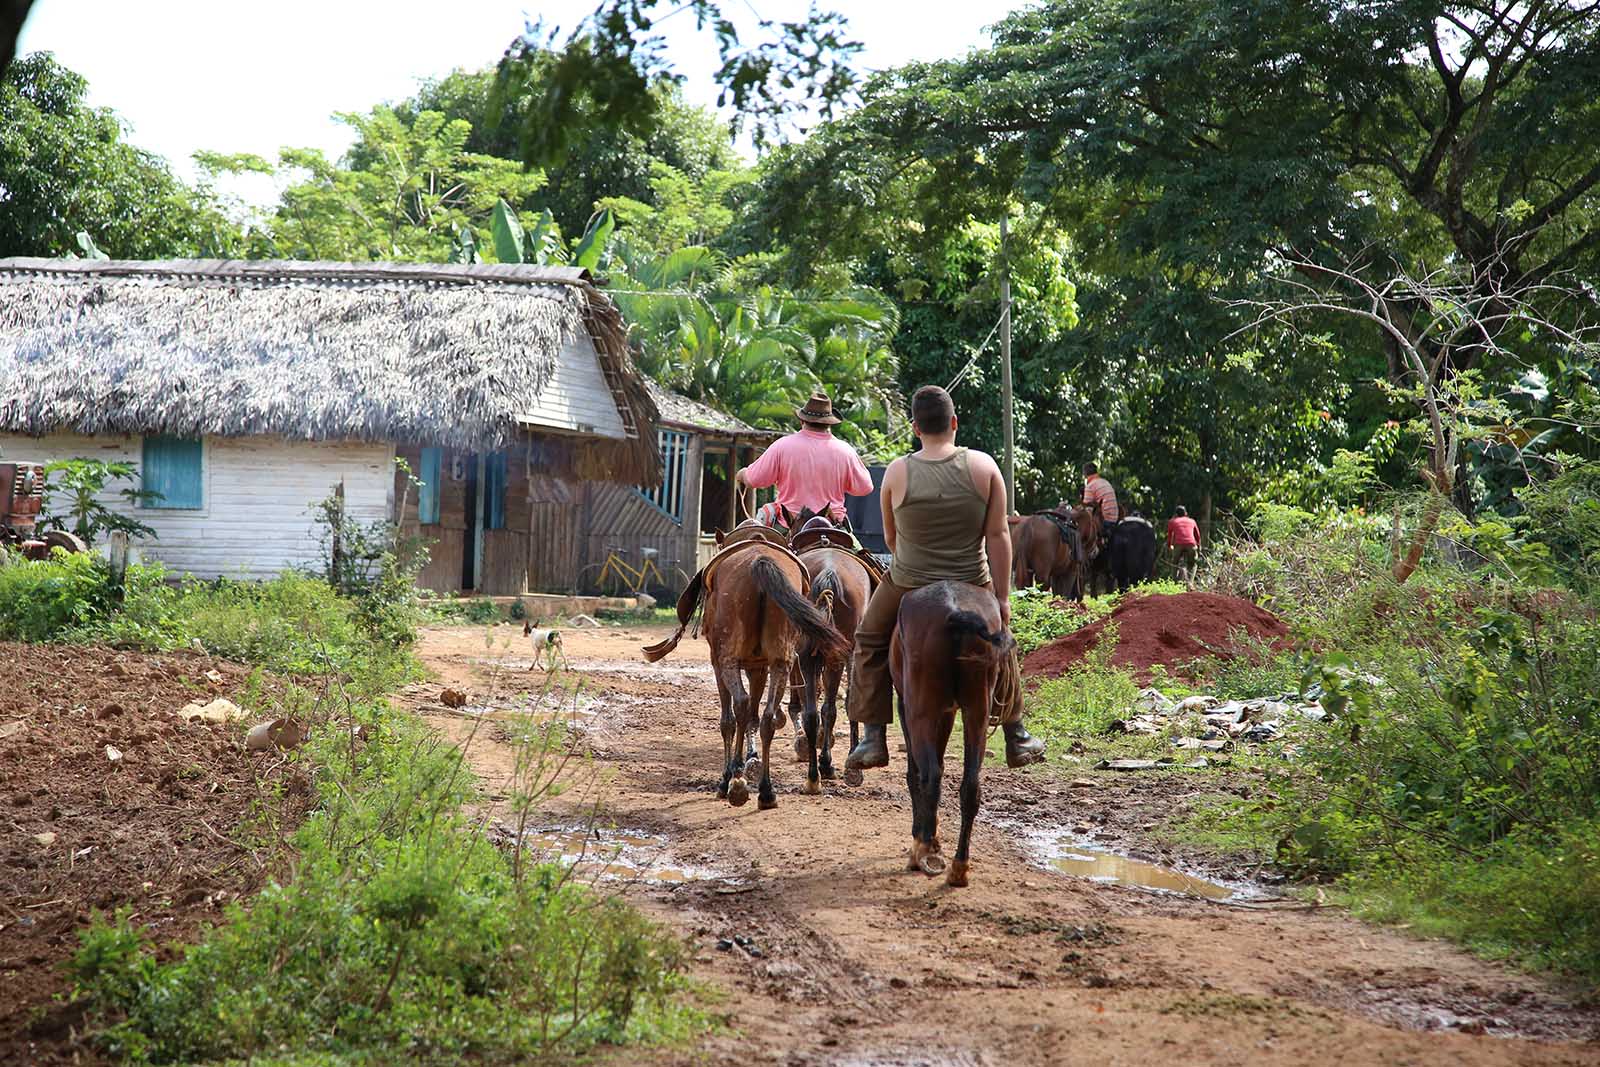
<point x="577" y="396"/>
<point x="258" y="493"/>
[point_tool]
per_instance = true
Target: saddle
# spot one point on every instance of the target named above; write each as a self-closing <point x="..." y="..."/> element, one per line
<point x="741" y="539"/>
<point x="1067" y="524"/>
<point x="811" y="540"/>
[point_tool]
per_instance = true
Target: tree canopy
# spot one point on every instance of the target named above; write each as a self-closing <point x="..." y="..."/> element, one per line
<point x="66" y="168"/>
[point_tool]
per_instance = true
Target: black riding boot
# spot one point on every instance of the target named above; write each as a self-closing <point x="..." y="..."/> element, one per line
<point x="873" y="750"/>
<point x="1022" y="748"/>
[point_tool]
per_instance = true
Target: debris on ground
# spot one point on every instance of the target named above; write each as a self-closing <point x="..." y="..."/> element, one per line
<point x="1166" y="630"/>
<point x="274" y="733"/>
<point x="219" y="710"/>
<point x="1217" y="724"/>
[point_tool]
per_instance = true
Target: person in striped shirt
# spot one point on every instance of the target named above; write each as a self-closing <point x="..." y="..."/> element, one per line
<point x="1097" y="493"/>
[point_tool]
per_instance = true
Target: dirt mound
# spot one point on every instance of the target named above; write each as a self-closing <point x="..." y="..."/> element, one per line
<point x="111" y="799"/>
<point x="1170" y="630"/>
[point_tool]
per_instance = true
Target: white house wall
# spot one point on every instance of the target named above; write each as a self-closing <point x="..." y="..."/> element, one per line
<point x="577" y="397"/>
<point x="258" y="492"/>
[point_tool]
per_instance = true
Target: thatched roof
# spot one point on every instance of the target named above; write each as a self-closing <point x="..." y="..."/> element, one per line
<point x="679" y="411"/>
<point x="412" y="353"/>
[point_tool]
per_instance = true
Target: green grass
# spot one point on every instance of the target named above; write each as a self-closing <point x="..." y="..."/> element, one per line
<point x="402" y="935"/>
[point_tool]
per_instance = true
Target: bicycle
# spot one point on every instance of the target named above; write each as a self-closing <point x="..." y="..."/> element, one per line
<point x="624" y="577"/>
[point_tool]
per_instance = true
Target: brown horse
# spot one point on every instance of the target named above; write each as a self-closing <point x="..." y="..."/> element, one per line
<point x="946" y="653"/>
<point x="1048" y="556"/>
<point x="841" y="587"/>
<point x="756" y="616"/>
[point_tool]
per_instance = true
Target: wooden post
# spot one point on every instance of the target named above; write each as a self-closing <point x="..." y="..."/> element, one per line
<point x="733" y="489"/>
<point x="336" y="550"/>
<point x="119" y="563"/>
<point x="1009" y="466"/>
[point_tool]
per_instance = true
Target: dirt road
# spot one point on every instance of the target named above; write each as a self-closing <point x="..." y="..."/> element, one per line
<point x="825" y="950"/>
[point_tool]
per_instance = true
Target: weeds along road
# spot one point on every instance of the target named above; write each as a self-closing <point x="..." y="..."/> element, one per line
<point x="820" y="948"/>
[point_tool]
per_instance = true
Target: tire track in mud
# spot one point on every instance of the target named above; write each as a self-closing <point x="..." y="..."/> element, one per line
<point x="824" y="950"/>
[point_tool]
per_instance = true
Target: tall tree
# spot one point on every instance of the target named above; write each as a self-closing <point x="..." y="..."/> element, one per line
<point x="600" y="160"/>
<point x="65" y="168"/>
<point x="405" y="190"/>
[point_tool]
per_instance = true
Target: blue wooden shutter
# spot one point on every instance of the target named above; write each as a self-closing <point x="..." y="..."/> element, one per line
<point x="494" y="477"/>
<point x="172" y="469"/>
<point x="431" y="465"/>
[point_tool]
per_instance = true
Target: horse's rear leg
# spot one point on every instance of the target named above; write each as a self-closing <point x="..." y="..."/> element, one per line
<point x="770" y="720"/>
<point x="796" y="684"/>
<point x="811" y="674"/>
<point x="913" y="788"/>
<point x="831" y="675"/>
<point x="974" y="725"/>
<point x="927" y="731"/>
<point x="749" y="722"/>
<point x="729" y="725"/>
<point x="731" y="681"/>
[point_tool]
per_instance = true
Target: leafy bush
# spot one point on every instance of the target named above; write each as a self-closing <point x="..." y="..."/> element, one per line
<point x="41" y="600"/>
<point x="1456" y="770"/>
<point x="1085" y="700"/>
<point x="375" y="565"/>
<point x="403" y="934"/>
<point x="477" y="610"/>
<point x="82" y="482"/>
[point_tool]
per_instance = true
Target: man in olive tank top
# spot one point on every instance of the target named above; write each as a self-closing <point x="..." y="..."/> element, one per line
<point x="944" y="518"/>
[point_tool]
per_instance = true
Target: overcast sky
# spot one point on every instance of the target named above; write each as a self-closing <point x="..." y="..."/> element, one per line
<point x="237" y="77"/>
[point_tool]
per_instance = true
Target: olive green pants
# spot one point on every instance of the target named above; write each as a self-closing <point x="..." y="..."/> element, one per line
<point x="872" y="688"/>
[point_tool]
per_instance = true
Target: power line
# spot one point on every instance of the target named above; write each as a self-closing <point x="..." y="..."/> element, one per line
<point x="976" y="352"/>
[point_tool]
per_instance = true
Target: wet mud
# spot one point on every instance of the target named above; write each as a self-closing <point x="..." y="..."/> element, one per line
<point x="822" y="949"/>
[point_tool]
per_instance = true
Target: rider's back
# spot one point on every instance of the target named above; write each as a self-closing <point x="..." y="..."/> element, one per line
<point x="939" y="523"/>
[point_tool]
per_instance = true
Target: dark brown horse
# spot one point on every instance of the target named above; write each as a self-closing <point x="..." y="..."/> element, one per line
<point x="1048" y="556"/>
<point x="756" y="617"/>
<point x="840" y="587"/>
<point x="946" y="654"/>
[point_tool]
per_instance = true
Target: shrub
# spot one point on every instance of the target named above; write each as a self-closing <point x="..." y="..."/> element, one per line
<point x="1085" y="700"/>
<point x="403" y="934"/>
<point x="40" y="600"/>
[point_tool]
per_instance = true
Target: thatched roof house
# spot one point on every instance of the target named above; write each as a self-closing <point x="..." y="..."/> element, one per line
<point x="232" y="381"/>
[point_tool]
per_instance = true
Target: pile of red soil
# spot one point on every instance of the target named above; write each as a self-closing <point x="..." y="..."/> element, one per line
<point x="152" y="830"/>
<point x="1170" y="630"/>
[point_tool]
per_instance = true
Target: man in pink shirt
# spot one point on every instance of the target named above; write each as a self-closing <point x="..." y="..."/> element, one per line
<point x="810" y="468"/>
<point x="1183" y="542"/>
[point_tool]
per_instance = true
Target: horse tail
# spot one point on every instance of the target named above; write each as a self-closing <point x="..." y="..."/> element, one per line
<point x="964" y="624"/>
<point x="815" y="624"/>
<point x="825" y="592"/>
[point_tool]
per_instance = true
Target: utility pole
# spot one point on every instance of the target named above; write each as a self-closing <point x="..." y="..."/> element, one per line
<point x="1008" y="466"/>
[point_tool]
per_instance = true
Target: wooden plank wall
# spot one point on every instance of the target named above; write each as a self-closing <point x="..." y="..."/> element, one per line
<point x="257" y="499"/>
<point x="619" y="518"/>
<point x="505" y="552"/>
<point x="555" y="549"/>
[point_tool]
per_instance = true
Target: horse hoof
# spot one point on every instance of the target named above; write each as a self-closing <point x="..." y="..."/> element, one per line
<point x="802" y="751"/>
<point x="753" y="769"/>
<point x="813" y="787"/>
<point x="853" y="776"/>
<point x="827" y="772"/>
<point x="930" y="864"/>
<point x="738" y="793"/>
<point x="956" y="876"/>
<point x="767" y="803"/>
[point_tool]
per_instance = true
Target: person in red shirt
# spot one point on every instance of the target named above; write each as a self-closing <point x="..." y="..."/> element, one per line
<point x="1183" y="543"/>
<point x="811" y="469"/>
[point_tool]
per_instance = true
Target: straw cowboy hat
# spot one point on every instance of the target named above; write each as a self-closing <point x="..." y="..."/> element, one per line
<point x="818" y="411"/>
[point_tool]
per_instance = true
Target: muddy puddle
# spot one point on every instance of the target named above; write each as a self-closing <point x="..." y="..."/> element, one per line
<point x="612" y="854"/>
<point x="1072" y="856"/>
